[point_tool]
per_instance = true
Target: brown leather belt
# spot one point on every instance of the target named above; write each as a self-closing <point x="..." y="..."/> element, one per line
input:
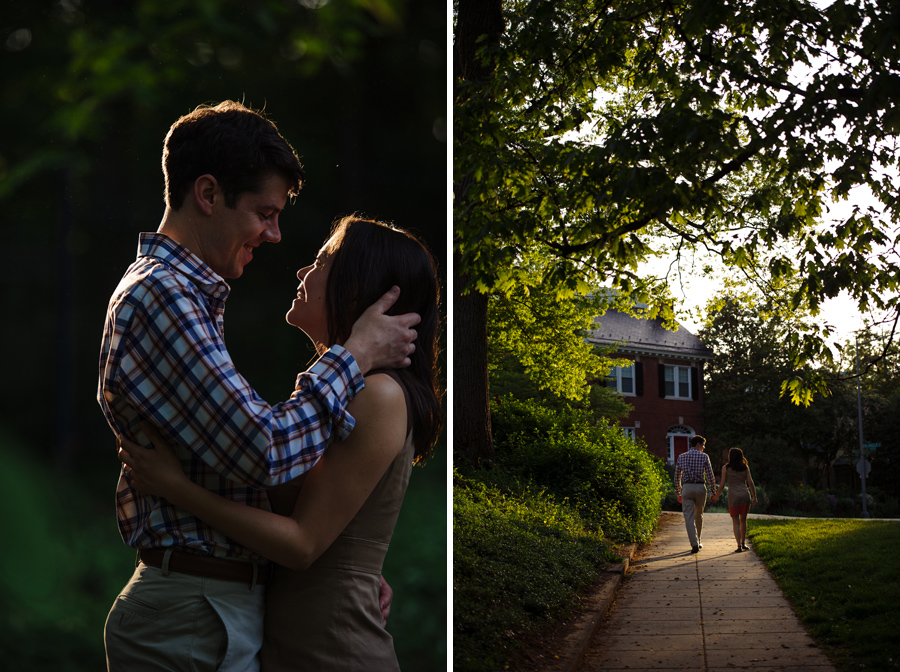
<point x="211" y="568"/>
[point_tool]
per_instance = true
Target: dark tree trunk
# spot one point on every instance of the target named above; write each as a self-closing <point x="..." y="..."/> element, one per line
<point x="471" y="406"/>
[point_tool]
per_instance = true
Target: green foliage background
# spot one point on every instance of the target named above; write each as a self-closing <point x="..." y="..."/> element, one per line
<point x="90" y="88"/>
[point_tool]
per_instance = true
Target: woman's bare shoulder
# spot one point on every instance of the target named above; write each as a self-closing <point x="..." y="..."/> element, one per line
<point x="382" y="393"/>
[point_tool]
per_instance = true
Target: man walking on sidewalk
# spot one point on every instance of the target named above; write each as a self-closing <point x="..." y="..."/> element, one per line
<point x="692" y="468"/>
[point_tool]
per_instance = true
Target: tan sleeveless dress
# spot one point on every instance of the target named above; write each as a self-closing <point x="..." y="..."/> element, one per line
<point x="738" y="490"/>
<point x="328" y="618"/>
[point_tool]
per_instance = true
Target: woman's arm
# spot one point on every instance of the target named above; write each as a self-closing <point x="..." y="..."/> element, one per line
<point x="333" y="490"/>
<point x="751" y="486"/>
<point x="721" y="485"/>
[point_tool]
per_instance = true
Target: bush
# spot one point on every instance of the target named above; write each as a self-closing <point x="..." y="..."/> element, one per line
<point x="519" y="559"/>
<point x="800" y="500"/>
<point x="615" y="484"/>
<point x="772" y="461"/>
<point x="530" y="531"/>
<point x="882" y="505"/>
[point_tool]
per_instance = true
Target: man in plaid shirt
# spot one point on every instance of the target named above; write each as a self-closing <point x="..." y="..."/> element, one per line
<point x="195" y="601"/>
<point x="691" y="469"/>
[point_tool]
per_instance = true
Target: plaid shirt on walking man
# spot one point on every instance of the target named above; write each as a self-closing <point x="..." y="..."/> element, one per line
<point x="691" y="469"/>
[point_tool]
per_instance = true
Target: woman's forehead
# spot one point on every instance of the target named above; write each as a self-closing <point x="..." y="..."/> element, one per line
<point x="329" y="246"/>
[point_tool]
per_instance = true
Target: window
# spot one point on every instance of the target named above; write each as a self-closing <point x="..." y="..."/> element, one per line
<point x="678" y="382"/>
<point x="629" y="432"/>
<point x="621" y="379"/>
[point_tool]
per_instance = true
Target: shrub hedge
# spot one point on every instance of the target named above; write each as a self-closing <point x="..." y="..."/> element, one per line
<point x="519" y="558"/>
<point x="533" y="529"/>
<point x="615" y="484"/>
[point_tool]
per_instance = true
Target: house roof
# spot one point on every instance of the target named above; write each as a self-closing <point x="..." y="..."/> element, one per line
<point x="644" y="336"/>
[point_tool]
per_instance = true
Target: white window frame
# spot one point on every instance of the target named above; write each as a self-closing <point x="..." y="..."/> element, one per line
<point x="676" y="383"/>
<point x="616" y="373"/>
<point x="629" y="432"/>
<point x="674" y="431"/>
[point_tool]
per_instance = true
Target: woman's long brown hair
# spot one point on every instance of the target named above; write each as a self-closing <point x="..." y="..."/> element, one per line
<point x="736" y="459"/>
<point x="366" y="259"/>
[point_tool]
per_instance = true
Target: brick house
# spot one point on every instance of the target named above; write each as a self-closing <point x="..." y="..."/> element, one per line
<point x="664" y="383"/>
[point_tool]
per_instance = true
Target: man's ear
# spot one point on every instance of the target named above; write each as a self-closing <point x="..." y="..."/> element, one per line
<point x="206" y="193"/>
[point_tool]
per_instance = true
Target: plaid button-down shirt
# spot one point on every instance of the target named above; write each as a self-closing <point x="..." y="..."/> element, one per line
<point x="163" y="359"/>
<point x="692" y="466"/>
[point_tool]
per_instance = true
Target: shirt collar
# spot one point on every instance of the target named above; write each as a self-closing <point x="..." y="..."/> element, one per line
<point x="160" y="246"/>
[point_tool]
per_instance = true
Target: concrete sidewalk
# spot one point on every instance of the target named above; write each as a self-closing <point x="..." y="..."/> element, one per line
<point x="714" y="610"/>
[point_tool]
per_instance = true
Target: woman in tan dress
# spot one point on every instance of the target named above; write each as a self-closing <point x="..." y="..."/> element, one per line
<point x="329" y="529"/>
<point x="740" y="492"/>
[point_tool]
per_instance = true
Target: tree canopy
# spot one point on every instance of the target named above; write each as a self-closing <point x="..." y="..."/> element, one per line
<point x="785" y="441"/>
<point x="607" y="131"/>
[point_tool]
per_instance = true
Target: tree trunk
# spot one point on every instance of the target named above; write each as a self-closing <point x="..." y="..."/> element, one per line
<point x="471" y="405"/>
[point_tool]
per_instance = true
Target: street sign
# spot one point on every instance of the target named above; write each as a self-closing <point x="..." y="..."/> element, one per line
<point x="872" y="446"/>
<point x="863" y="464"/>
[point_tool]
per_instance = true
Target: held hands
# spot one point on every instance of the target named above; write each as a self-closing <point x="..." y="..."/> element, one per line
<point x="379" y="341"/>
<point x="153" y="471"/>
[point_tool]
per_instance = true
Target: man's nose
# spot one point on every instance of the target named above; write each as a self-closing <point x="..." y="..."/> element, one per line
<point x="272" y="233"/>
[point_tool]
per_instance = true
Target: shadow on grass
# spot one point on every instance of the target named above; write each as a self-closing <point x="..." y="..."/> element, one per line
<point x="841" y="577"/>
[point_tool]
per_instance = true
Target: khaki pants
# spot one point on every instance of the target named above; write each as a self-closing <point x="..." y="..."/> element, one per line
<point x="177" y="621"/>
<point x="693" y="501"/>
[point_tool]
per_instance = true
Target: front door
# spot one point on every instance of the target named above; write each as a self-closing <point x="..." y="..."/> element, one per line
<point x="679" y="446"/>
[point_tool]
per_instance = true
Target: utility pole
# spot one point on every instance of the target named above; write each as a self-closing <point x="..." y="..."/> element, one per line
<point x="862" y="448"/>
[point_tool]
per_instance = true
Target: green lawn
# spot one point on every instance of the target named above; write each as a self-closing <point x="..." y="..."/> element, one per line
<point x="843" y="578"/>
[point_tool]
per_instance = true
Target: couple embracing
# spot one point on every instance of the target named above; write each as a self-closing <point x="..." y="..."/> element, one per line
<point x="260" y="529"/>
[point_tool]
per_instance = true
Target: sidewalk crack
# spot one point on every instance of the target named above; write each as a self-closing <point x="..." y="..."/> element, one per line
<point x="702" y="620"/>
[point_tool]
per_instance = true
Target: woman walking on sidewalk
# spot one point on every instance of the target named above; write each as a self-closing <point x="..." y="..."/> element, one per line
<point x="740" y="491"/>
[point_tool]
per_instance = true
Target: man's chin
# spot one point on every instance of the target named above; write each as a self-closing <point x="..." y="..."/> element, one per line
<point x="234" y="272"/>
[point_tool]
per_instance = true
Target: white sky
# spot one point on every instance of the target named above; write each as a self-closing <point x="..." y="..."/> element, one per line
<point x="694" y="290"/>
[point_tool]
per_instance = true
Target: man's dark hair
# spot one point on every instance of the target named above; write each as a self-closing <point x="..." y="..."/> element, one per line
<point x="236" y="145"/>
<point x="697" y="439"/>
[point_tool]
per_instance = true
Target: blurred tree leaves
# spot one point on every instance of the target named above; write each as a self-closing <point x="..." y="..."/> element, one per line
<point x="89" y="90"/>
<point x="359" y="88"/>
